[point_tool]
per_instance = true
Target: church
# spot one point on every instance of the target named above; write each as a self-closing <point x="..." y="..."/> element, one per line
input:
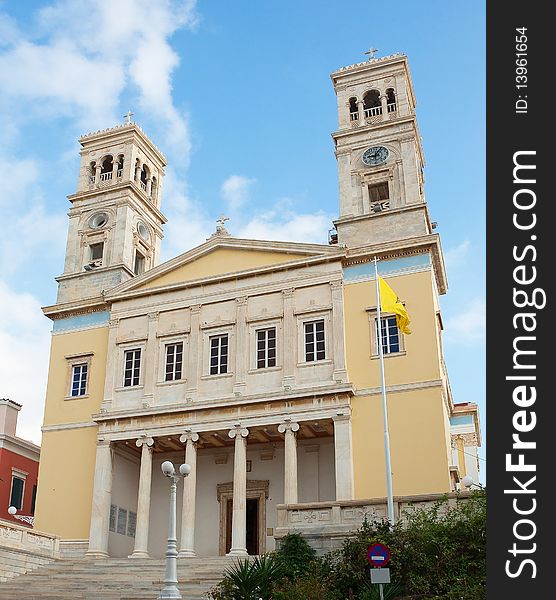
<point x="255" y="362"/>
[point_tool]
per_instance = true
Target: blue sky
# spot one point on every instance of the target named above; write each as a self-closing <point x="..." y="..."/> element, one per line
<point x="239" y="98"/>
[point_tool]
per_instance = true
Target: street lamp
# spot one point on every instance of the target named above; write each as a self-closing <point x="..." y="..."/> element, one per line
<point x="170" y="590"/>
<point x="469" y="483"/>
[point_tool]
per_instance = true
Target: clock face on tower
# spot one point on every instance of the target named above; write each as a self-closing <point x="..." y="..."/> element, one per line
<point x="376" y="155"/>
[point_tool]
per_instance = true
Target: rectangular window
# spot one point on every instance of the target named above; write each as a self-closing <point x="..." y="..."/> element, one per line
<point x="33" y="499"/>
<point x="139" y="266"/>
<point x="174" y="360"/>
<point x="131" y="523"/>
<point x="219" y="354"/>
<point x="132" y="366"/>
<point x="112" y="521"/>
<point x="314" y="341"/>
<point x="97" y="251"/>
<point x="390" y="335"/>
<point x="79" y="380"/>
<point x="378" y="192"/>
<point x="16" y="497"/>
<point x="266" y="348"/>
<point x="121" y="523"/>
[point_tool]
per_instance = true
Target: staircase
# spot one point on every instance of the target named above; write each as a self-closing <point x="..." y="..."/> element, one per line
<point x="114" y="579"/>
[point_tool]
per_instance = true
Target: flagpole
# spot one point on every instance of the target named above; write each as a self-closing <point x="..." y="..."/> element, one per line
<point x="389" y="493"/>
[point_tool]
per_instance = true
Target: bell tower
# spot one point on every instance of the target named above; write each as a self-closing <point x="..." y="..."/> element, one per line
<point x="379" y="153"/>
<point x="115" y="223"/>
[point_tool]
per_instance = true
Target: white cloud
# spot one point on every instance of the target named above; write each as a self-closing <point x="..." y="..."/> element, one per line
<point x="288" y="226"/>
<point x="24" y="351"/>
<point x="457" y="256"/>
<point x="235" y="191"/>
<point x="92" y="54"/>
<point x="469" y="326"/>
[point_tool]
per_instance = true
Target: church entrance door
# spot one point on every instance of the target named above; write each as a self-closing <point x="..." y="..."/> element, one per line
<point x="252" y="526"/>
<point x="255" y="522"/>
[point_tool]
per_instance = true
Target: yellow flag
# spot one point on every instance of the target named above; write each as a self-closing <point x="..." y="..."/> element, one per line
<point x="389" y="302"/>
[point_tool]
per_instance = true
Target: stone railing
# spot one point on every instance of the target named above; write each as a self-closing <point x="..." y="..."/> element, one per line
<point x="326" y="524"/>
<point x="16" y="537"/>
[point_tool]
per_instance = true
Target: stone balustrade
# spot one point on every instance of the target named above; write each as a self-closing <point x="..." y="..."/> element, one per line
<point x="326" y="524"/>
<point x="17" y="537"/>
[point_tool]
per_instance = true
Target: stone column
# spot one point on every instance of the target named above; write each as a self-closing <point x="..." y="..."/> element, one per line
<point x="361" y="110"/>
<point x="150" y="361"/>
<point x="239" y="517"/>
<point x="241" y="354"/>
<point x="141" y="547"/>
<point x="138" y="174"/>
<point x="114" y="168"/>
<point x="98" y="169"/>
<point x="187" y="544"/>
<point x="343" y="457"/>
<point x="193" y="351"/>
<point x="149" y="186"/>
<point x="290" y="339"/>
<point x="384" y="103"/>
<point x="339" y="353"/>
<point x="290" y="460"/>
<point x="102" y="495"/>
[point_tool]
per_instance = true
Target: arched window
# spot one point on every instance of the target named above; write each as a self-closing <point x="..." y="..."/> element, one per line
<point x="92" y="171"/>
<point x="371" y="103"/>
<point x="391" y="100"/>
<point x="353" y="110"/>
<point x="120" y="165"/>
<point x="144" y="177"/>
<point x="106" y="169"/>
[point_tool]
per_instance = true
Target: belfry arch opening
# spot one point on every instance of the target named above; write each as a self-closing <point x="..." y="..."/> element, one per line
<point x="106" y="168"/>
<point x="391" y="100"/>
<point x="353" y="109"/>
<point x="371" y="103"/>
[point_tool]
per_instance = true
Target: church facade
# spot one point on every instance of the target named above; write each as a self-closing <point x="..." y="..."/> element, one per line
<point x="256" y="362"/>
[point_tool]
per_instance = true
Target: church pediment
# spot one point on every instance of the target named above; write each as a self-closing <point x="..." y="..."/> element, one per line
<point x="221" y="257"/>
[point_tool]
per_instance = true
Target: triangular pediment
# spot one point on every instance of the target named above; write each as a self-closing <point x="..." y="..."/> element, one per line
<point x="221" y="257"/>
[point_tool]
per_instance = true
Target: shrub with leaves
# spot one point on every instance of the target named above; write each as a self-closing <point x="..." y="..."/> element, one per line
<point x="295" y="556"/>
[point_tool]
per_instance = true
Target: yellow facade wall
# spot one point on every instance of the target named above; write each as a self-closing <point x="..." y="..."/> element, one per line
<point x="65" y="487"/>
<point x="420" y="360"/>
<point x="420" y="463"/>
<point x="219" y="262"/>
<point x="59" y="409"/>
<point x="417" y="417"/>
<point x="66" y="469"/>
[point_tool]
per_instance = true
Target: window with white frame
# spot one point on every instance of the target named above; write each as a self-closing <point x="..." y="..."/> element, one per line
<point x="314" y="341"/>
<point x="174" y="361"/>
<point x="79" y="376"/>
<point x="390" y="335"/>
<point x="218" y="354"/>
<point x="132" y="367"/>
<point x="266" y="348"/>
<point x="16" y="495"/>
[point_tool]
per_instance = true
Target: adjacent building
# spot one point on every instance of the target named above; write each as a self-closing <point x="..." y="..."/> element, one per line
<point x="256" y="362"/>
<point x="19" y="466"/>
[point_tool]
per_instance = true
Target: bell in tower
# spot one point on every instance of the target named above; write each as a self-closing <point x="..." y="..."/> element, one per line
<point x="379" y="153"/>
<point x="115" y="223"/>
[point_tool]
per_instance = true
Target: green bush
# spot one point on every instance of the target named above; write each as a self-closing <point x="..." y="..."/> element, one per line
<point x="436" y="554"/>
<point x="295" y="556"/>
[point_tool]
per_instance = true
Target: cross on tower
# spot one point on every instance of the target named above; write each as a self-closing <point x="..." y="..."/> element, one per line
<point x="371" y="52"/>
<point x="128" y="116"/>
<point x="221" y="221"/>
